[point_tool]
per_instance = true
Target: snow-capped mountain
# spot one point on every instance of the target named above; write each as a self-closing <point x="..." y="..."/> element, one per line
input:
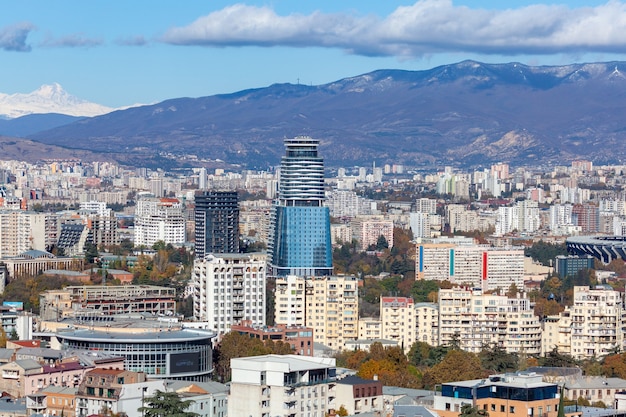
<point x="48" y="99"/>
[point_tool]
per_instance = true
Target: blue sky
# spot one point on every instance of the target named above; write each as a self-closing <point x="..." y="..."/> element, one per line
<point x="119" y="53"/>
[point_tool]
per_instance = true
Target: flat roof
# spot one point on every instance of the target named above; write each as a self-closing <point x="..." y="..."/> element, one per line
<point x="294" y="362"/>
<point x="144" y="337"/>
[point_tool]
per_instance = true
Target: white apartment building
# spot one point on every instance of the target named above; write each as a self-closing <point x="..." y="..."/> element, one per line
<point x="345" y="203"/>
<point x="329" y="305"/>
<point x="21" y="231"/>
<point x="229" y="288"/>
<point x="478" y="266"/>
<point x="427" y="323"/>
<point x="282" y="385"/>
<point x="159" y="219"/>
<point x="290" y="300"/>
<point x="397" y="315"/>
<point x="426" y="205"/>
<point x="478" y="319"/>
<point x="425" y="224"/>
<point x="522" y="217"/>
<point x="592" y="327"/>
<point x="96" y="207"/>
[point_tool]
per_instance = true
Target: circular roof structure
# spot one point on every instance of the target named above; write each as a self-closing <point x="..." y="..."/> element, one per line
<point x="604" y="248"/>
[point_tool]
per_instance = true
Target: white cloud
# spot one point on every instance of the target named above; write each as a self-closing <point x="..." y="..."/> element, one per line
<point x="428" y="26"/>
<point x="13" y="38"/>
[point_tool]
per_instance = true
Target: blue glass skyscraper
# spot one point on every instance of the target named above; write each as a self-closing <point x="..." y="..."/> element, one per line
<point x="299" y="241"/>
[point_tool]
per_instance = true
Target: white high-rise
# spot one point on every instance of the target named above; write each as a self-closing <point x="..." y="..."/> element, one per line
<point x="229" y="288"/>
<point x="159" y="219"/>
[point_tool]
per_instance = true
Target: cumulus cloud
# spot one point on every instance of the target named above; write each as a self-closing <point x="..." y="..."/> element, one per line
<point x="75" y="40"/>
<point x="13" y="38"/>
<point x="428" y="26"/>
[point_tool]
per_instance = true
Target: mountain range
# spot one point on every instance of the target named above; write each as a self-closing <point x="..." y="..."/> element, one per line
<point x="464" y="114"/>
<point x="48" y="99"/>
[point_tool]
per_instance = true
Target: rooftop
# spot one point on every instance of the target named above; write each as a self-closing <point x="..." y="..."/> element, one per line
<point x="142" y="337"/>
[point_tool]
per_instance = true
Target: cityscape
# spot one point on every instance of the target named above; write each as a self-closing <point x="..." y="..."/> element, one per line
<point x="152" y="278"/>
<point x="313" y="209"/>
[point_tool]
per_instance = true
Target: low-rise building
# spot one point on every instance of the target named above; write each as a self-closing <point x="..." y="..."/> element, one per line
<point x="101" y="388"/>
<point x="594" y="389"/>
<point x="358" y="395"/>
<point x="507" y="395"/>
<point x="300" y="338"/>
<point x="107" y="300"/>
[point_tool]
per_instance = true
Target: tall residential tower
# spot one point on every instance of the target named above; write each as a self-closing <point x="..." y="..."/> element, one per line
<point x="216" y="223"/>
<point x="300" y="241"/>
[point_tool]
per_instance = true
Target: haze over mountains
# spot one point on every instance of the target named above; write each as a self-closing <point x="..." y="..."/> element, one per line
<point x="461" y="114"/>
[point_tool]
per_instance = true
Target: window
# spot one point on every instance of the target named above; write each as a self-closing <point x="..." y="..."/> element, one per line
<point x="512" y="409"/>
<point x="493" y="407"/>
<point x="502" y="409"/>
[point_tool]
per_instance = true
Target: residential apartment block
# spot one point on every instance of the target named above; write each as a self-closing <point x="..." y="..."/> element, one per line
<point x="463" y="262"/>
<point x="159" y="219"/>
<point x="285" y="385"/>
<point x="592" y="327"/>
<point x="329" y="305"/>
<point x="475" y="319"/>
<point x="367" y="231"/>
<point x="397" y="315"/>
<point x="228" y="289"/>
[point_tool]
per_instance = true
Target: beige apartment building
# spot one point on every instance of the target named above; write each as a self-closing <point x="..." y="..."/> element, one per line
<point x="478" y="319"/>
<point x="427" y="323"/>
<point x="327" y="304"/>
<point x="370" y="328"/>
<point x="591" y="328"/>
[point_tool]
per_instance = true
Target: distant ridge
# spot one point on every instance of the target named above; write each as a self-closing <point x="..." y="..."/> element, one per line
<point x="467" y="113"/>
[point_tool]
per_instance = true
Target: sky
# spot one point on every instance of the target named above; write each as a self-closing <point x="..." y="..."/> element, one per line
<point x="119" y="53"/>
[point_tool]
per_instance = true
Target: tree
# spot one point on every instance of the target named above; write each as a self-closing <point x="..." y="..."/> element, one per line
<point x="558" y="360"/>
<point x="468" y="410"/>
<point x="382" y="243"/>
<point x="457" y="365"/>
<point x="235" y="345"/>
<point x="615" y="365"/>
<point x="166" y="404"/>
<point x="496" y="359"/>
<point x="91" y="252"/>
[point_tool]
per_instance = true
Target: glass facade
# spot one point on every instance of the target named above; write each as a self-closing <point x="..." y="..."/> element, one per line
<point x="300" y="241"/>
<point x="157" y="356"/>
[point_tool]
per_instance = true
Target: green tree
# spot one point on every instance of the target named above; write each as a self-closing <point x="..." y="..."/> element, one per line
<point x="468" y="410"/>
<point x="497" y="359"/>
<point x="166" y="404"/>
<point x="558" y="360"/>
<point x="544" y="252"/>
<point x="91" y="252"/>
<point x="382" y="243"/>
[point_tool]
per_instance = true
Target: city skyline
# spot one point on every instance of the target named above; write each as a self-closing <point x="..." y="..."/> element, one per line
<point x="119" y="54"/>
